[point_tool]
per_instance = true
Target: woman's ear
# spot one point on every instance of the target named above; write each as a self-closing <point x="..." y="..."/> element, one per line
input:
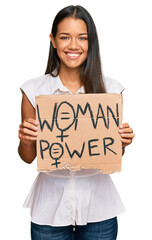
<point x="52" y="40"/>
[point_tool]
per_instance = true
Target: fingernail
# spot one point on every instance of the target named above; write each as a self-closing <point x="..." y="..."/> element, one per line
<point x="123" y="135"/>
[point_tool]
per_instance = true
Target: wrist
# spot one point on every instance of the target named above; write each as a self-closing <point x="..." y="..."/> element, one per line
<point x="27" y="143"/>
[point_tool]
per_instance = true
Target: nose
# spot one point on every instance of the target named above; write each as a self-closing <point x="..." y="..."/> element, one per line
<point x="73" y="45"/>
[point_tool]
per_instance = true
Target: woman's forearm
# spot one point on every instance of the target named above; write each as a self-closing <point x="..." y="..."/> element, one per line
<point x="27" y="151"/>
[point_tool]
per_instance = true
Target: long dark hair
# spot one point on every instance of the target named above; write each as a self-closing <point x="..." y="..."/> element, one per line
<point x="90" y="71"/>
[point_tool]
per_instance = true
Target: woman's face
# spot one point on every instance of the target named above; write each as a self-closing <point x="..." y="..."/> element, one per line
<point x="71" y="42"/>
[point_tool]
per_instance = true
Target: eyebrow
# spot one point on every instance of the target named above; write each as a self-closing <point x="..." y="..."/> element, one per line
<point x="69" y="34"/>
<point x="83" y="34"/>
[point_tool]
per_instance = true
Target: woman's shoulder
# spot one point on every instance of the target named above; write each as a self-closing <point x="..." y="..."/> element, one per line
<point x="36" y="86"/>
<point x="37" y="81"/>
<point x="112" y="85"/>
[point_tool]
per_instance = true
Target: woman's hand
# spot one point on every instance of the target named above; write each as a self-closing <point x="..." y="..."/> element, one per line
<point x="28" y="131"/>
<point x="126" y="133"/>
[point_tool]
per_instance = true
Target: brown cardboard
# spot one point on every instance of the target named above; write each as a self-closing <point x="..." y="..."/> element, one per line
<point x="79" y="131"/>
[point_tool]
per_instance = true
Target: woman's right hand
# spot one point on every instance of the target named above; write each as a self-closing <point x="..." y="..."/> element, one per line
<point x="28" y="131"/>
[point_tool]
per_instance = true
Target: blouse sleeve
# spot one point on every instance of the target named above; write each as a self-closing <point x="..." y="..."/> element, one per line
<point x="28" y="89"/>
<point x="113" y="86"/>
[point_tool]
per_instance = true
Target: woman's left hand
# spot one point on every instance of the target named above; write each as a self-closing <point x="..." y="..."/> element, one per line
<point x="126" y="133"/>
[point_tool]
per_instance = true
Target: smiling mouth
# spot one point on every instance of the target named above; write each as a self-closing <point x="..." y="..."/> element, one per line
<point x="73" y="55"/>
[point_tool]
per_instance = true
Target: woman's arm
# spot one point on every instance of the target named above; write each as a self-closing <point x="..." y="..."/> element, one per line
<point x="27" y="131"/>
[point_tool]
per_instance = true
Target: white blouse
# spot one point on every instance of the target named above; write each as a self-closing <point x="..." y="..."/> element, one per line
<point x="67" y="197"/>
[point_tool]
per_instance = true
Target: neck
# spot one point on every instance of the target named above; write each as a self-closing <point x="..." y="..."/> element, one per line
<point x="70" y="79"/>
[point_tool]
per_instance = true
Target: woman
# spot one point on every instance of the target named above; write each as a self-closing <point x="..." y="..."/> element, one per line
<point x="65" y="204"/>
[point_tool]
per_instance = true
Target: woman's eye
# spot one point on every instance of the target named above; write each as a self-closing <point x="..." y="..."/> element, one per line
<point x="64" y="38"/>
<point x="83" y="38"/>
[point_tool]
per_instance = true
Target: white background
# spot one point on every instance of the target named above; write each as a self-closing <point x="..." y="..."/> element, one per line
<point x="124" y="29"/>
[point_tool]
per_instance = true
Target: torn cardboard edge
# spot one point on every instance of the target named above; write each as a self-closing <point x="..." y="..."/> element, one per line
<point x="63" y="136"/>
<point x="105" y="169"/>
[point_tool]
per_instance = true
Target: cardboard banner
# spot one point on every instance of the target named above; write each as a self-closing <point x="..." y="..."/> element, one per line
<point x="79" y="132"/>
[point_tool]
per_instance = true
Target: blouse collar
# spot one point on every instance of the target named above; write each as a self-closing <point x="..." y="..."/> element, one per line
<point x="56" y="84"/>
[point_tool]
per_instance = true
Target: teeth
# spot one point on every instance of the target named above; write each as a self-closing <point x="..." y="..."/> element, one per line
<point x="73" y="54"/>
